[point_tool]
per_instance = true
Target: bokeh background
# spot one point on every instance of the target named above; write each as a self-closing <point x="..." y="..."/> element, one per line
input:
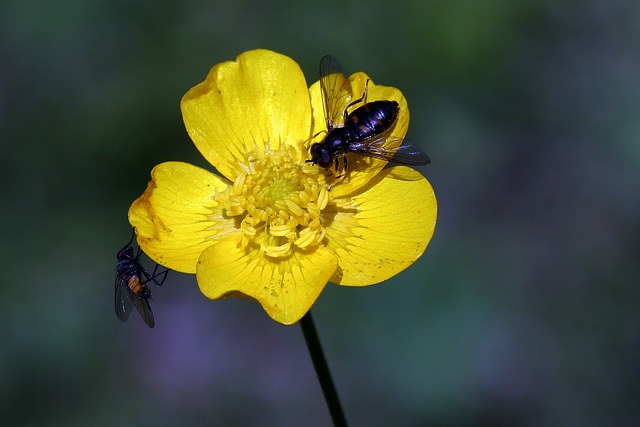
<point x="522" y="312"/>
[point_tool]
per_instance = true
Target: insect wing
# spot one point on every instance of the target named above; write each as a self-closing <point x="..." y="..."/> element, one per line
<point x="336" y="90"/>
<point x="410" y="154"/>
<point x="406" y="154"/>
<point x="122" y="301"/>
<point x="143" y="307"/>
<point x="126" y="299"/>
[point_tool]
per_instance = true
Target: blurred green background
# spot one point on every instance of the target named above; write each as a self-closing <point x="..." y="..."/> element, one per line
<point x="522" y="312"/>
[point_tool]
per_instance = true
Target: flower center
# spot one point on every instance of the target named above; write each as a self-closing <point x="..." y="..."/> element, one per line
<point x="280" y="198"/>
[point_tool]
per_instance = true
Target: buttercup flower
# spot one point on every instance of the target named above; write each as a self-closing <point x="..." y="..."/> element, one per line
<point x="271" y="227"/>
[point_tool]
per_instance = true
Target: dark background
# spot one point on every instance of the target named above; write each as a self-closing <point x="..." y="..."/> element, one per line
<point x="522" y="312"/>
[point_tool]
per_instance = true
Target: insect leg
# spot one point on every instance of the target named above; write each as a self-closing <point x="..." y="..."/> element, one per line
<point x="341" y="169"/>
<point x="133" y="235"/>
<point x="340" y="176"/>
<point x="363" y="99"/>
<point x="317" y="133"/>
<point x="155" y="276"/>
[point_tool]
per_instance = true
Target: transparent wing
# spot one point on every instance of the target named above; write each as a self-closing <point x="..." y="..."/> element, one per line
<point x="336" y="90"/>
<point x="406" y="154"/>
<point x="143" y="307"/>
<point x="125" y="300"/>
<point x="122" y="301"/>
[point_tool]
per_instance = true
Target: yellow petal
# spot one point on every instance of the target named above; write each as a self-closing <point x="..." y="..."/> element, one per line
<point x="260" y="99"/>
<point x="382" y="230"/>
<point x="177" y="217"/>
<point x="286" y="289"/>
<point x="361" y="169"/>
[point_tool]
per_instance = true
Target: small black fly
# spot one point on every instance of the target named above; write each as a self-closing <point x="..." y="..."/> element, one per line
<point x="131" y="284"/>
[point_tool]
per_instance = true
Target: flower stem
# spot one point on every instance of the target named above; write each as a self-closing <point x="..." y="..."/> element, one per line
<point x="322" y="370"/>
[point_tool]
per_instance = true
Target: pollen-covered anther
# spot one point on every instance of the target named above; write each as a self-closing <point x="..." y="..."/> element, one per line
<point x="276" y="251"/>
<point x="280" y="230"/>
<point x="238" y="184"/>
<point x="295" y="209"/>
<point x="304" y="198"/>
<point x="284" y="215"/>
<point x="309" y="237"/>
<point x="232" y="204"/>
<point x="323" y="198"/>
<point x="315" y="224"/>
<point x="247" y="227"/>
<point x="314" y="210"/>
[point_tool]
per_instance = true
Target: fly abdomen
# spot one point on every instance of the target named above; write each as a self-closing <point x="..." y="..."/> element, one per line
<point x="372" y="118"/>
<point x="138" y="288"/>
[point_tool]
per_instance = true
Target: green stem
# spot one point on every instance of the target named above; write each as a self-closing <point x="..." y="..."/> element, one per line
<point x="322" y="370"/>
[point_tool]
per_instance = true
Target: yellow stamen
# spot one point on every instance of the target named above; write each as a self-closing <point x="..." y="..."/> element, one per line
<point x="280" y="199"/>
<point x="295" y="209"/>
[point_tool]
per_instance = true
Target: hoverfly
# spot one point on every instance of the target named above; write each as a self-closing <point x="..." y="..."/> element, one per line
<point x="364" y="131"/>
<point x="131" y="284"/>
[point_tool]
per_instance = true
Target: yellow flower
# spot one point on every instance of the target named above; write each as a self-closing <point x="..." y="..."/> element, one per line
<point x="271" y="227"/>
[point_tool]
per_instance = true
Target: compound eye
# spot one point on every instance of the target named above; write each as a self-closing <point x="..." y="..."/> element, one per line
<point x="320" y="156"/>
<point x="326" y="160"/>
